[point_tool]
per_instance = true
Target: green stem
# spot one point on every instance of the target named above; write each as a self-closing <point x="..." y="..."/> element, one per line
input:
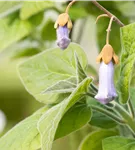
<point x="131" y="109"/>
<point x="109" y="114"/>
<point x="94" y="87"/>
<point x="91" y="95"/>
<point x="130" y="122"/>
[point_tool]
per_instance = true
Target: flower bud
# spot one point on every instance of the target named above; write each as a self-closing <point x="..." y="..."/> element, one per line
<point x="63" y="37"/>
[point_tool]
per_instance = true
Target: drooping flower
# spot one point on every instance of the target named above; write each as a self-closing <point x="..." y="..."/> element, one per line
<point x="106" y="91"/>
<point x="107" y="59"/>
<point x="63" y="25"/>
<point x="63" y="37"/>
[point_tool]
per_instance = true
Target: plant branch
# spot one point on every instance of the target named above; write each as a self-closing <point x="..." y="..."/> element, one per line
<point x="107" y="12"/>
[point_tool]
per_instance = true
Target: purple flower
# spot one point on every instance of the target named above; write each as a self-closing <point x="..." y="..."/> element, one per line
<point x="63" y="37"/>
<point x="106" y="92"/>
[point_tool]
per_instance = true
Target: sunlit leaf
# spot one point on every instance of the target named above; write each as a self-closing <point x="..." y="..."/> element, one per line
<point x="118" y="143"/>
<point x="127" y="61"/>
<point x="48" y="68"/>
<point x="24" y="136"/>
<point x="12" y="31"/>
<point x="48" y="123"/>
<point x="94" y="140"/>
<point x="30" y="8"/>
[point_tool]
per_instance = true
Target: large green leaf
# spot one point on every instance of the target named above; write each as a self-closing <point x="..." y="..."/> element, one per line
<point x="48" y="123"/>
<point x="118" y="143"/>
<point x="24" y="136"/>
<point x="48" y="68"/>
<point x="94" y="140"/>
<point x="12" y="31"/>
<point x="127" y="61"/>
<point x="7" y="7"/>
<point x="31" y="8"/>
<point x="78" y="116"/>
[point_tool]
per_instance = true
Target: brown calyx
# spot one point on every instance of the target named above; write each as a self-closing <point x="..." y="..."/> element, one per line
<point x="62" y="20"/>
<point x="107" y="54"/>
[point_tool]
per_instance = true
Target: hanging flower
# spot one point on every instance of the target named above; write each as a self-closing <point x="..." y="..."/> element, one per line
<point x="63" y="25"/>
<point x="107" y="59"/>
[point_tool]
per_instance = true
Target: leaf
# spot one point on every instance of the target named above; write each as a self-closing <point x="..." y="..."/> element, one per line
<point x="7" y="7"/>
<point x="81" y="75"/>
<point x="64" y="86"/>
<point x="48" y="68"/>
<point x="94" y="140"/>
<point x="48" y="31"/>
<point x="98" y="119"/>
<point x="102" y="121"/>
<point x="75" y="14"/>
<point x="127" y="61"/>
<point x="31" y="8"/>
<point x="24" y="136"/>
<point x="48" y="123"/>
<point x="12" y="32"/>
<point x="74" y="119"/>
<point x="118" y="143"/>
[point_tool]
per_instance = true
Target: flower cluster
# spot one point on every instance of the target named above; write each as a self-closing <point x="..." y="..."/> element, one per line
<point x="107" y="59"/>
<point x="63" y="25"/>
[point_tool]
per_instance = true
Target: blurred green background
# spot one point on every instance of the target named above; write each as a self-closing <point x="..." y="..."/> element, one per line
<point x="26" y="28"/>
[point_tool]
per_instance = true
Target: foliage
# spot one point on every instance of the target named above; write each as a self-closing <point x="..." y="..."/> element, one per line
<point x="61" y="80"/>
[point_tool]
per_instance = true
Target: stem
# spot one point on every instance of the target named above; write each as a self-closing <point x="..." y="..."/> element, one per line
<point x="130" y="122"/>
<point x="69" y="5"/>
<point x="109" y="114"/>
<point x="91" y="95"/>
<point x="93" y="87"/>
<point x="108" y="30"/>
<point x="131" y="109"/>
<point x="107" y="12"/>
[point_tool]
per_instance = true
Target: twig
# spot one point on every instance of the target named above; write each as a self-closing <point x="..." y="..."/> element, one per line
<point x="107" y="12"/>
<point x="69" y="5"/>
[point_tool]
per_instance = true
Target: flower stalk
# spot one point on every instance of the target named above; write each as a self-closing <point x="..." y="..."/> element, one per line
<point x="107" y="12"/>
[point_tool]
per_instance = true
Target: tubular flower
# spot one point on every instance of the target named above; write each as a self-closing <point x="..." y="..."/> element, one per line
<point x="107" y="58"/>
<point x="63" y="25"/>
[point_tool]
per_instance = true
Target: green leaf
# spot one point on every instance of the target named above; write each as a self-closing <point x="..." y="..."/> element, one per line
<point x="31" y="8"/>
<point x="102" y="121"/>
<point x="64" y="86"/>
<point x="7" y="7"/>
<point x="127" y="61"/>
<point x="118" y="143"/>
<point x="48" y="68"/>
<point x="81" y="75"/>
<point x="11" y="32"/>
<point x="24" y="136"/>
<point x="78" y="116"/>
<point x="75" y="14"/>
<point x="48" y="123"/>
<point x="94" y="140"/>
<point x="99" y="119"/>
<point x="48" y="31"/>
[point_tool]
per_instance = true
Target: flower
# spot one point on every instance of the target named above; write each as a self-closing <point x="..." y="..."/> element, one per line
<point x="107" y="59"/>
<point x="63" y="25"/>
<point x="62" y="37"/>
<point x="106" y="92"/>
